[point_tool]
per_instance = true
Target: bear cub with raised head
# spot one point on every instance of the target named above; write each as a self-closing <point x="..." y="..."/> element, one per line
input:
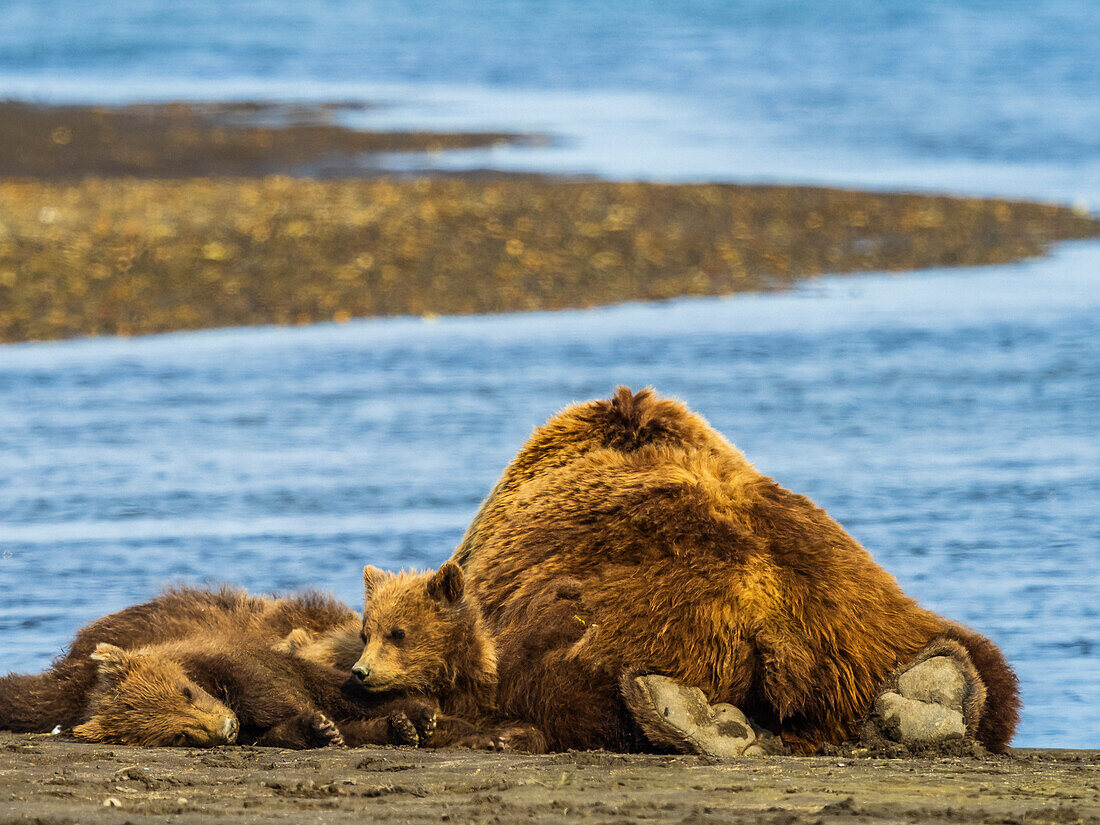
<point x="421" y="636"/>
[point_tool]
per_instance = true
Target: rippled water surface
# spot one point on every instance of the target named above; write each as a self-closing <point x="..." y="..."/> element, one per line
<point x="975" y="95"/>
<point x="947" y="419"/>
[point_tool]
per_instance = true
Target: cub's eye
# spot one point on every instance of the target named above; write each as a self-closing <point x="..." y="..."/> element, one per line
<point x="188" y="695"/>
<point x="364" y="636"/>
<point x="397" y="634"/>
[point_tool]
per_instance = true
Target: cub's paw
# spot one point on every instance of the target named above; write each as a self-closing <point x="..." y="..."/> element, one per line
<point x="481" y="742"/>
<point x="402" y="730"/>
<point x="425" y="718"/>
<point x="936" y="698"/>
<point x="679" y="717"/>
<point x="523" y="738"/>
<point x="323" y="731"/>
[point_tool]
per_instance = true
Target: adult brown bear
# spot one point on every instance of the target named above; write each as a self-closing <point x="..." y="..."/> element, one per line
<point x="696" y="566"/>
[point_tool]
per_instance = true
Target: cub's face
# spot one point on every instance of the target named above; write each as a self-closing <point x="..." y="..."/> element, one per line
<point x="413" y="627"/>
<point x="146" y="699"/>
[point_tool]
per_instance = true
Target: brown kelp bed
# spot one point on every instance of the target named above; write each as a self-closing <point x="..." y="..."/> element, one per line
<point x="128" y="256"/>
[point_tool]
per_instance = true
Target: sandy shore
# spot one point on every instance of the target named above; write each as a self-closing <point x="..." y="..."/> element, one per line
<point x="48" y="780"/>
<point x="158" y="218"/>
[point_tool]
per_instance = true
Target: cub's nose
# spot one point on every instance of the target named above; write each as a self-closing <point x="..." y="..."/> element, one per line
<point x="362" y="672"/>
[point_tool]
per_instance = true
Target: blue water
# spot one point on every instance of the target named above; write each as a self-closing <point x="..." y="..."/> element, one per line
<point x="975" y="95"/>
<point x="948" y="419"/>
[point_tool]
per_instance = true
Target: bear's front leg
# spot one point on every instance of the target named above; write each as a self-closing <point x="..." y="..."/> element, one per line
<point x="392" y="729"/>
<point x="408" y="720"/>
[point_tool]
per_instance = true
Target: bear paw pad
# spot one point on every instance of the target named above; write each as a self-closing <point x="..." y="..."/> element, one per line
<point x="935" y="700"/>
<point x="680" y="717"/>
<point x="913" y="722"/>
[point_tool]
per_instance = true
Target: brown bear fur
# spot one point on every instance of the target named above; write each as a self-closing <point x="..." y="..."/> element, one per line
<point x="146" y="698"/>
<point x="339" y="647"/>
<point x="140" y="695"/>
<point x="277" y="699"/>
<point x="192" y="611"/>
<point x="61" y="693"/>
<point x="698" y="567"/>
<point x="421" y="635"/>
<point x="539" y="675"/>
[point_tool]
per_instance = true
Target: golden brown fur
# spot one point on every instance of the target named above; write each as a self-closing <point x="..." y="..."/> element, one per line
<point x="148" y="675"/>
<point x="163" y="695"/>
<point x="697" y="566"/>
<point x="421" y="636"/>
<point x="146" y="698"/>
<point x="339" y="647"/>
<point x="192" y="611"/>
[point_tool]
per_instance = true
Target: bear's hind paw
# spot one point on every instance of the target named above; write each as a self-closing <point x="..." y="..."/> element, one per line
<point x="679" y="717"/>
<point x="936" y="698"/>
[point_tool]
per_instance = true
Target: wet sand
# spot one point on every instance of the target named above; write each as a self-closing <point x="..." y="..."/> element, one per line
<point x="158" y="218"/>
<point x="50" y="780"/>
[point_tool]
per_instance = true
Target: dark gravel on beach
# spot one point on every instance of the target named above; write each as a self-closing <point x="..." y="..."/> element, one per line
<point x="47" y="780"/>
<point x="126" y="256"/>
<point x="183" y="140"/>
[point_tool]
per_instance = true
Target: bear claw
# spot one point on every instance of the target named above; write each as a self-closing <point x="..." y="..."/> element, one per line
<point x="523" y="738"/>
<point x="403" y="730"/>
<point x="324" y="732"/>
<point x="425" y="723"/>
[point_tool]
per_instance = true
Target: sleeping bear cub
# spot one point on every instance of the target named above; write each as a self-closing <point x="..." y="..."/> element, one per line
<point x="201" y="668"/>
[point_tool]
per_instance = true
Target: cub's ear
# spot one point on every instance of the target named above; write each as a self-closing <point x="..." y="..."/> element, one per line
<point x="371" y="578"/>
<point x="113" y="661"/>
<point x="447" y="584"/>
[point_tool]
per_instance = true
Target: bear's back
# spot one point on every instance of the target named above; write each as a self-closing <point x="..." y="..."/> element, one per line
<point x="191" y="611"/>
